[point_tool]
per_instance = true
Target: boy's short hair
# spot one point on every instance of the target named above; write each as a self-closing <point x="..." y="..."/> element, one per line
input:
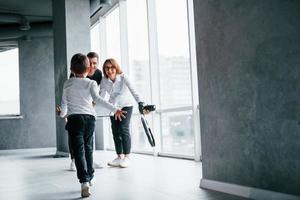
<point x="79" y="63"/>
<point x="93" y="55"/>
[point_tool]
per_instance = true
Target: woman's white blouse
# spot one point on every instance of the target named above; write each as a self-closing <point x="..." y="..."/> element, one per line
<point x="120" y="92"/>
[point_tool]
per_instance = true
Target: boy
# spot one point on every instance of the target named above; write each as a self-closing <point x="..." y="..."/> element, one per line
<point x="96" y="75"/>
<point x="78" y="94"/>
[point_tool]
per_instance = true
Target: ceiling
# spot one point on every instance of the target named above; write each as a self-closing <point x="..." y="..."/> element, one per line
<point x="41" y="10"/>
<point x="37" y="13"/>
<point x="33" y="10"/>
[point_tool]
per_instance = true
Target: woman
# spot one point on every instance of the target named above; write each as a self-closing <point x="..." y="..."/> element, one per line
<point x="119" y="89"/>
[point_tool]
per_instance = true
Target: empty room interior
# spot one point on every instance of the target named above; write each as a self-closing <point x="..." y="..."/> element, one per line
<point x="150" y="99"/>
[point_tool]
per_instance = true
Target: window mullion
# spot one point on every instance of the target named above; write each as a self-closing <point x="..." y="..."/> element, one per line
<point x="124" y="37"/>
<point x="194" y="80"/>
<point x="102" y="39"/>
<point x="154" y="68"/>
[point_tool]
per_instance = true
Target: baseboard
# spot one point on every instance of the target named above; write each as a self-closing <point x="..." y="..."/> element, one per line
<point x="26" y="151"/>
<point x="244" y="191"/>
<point x="61" y="154"/>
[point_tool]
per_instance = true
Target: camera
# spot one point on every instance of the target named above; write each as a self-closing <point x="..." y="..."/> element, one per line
<point x="143" y="106"/>
<point x="149" y="107"/>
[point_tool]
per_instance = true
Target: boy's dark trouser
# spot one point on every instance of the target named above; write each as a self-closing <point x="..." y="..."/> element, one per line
<point x="81" y="129"/>
<point x="120" y="131"/>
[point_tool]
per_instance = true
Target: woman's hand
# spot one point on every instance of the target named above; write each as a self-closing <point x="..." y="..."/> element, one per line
<point x="141" y="107"/>
<point x="146" y="112"/>
<point x="119" y="114"/>
<point x="142" y="110"/>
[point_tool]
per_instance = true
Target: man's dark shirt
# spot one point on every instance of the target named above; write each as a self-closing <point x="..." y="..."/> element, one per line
<point x="97" y="76"/>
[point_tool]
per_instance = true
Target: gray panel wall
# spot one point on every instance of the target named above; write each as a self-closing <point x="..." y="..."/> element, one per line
<point x="37" y="128"/>
<point x="248" y="55"/>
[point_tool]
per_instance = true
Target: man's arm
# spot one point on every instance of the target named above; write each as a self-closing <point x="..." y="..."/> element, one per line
<point x="63" y="109"/>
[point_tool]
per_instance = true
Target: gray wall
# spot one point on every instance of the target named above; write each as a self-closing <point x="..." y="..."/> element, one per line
<point x="37" y="128"/>
<point x="248" y="55"/>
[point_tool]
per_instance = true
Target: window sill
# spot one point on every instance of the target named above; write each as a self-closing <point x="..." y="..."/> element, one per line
<point x="11" y="117"/>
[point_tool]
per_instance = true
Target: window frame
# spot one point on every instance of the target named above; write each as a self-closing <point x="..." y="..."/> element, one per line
<point x="154" y="70"/>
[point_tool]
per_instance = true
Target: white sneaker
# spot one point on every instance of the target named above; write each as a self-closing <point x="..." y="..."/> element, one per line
<point x="72" y="165"/>
<point x="125" y="162"/>
<point x="115" y="162"/>
<point x="85" y="190"/>
<point x="97" y="165"/>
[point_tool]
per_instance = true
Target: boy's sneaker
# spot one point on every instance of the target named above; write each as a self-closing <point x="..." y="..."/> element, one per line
<point x="92" y="182"/>
<point x="85" y="190"/>
<point x="97" y="165"/>
<point x="72" y="165"/>
<point x="125" y="162"/>
<point x="115" y="162"/>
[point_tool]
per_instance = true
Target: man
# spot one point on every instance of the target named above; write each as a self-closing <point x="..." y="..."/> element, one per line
<point x="96" y="75"/>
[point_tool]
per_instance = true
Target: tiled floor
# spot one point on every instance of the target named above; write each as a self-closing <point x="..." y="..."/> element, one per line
<point x="35" y="175"/>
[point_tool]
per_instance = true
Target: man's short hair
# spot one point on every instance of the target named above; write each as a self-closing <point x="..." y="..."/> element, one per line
<point x="79" y="63"/>
<point x="93" y="55"/>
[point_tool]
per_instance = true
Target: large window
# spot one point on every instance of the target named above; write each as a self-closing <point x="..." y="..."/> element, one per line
<point x="113" y="35"/>
<point x="139" y="72"/>
<point x="138" y="46"/>
<point x="155" y="49"/>
<point x="174" y="77"/>
<point x="177" y="134"/>
<point x="95" y="38"/>
<point x="9" y="82"/>
<point x="173" y="50"/>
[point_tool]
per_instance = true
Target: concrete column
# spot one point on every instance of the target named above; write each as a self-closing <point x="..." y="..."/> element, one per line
<point x="71" y="26"/>
<point x="248" y="55"/>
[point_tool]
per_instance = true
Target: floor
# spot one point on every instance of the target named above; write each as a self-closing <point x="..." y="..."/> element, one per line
<point x="35" y="175"/>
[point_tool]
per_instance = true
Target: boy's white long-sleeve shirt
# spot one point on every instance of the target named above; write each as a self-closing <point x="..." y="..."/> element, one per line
<point x="78" y="95"/>
<point x="119" y="91"/>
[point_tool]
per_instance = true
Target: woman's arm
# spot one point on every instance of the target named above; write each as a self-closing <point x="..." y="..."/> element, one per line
<point x="132" y="89"/>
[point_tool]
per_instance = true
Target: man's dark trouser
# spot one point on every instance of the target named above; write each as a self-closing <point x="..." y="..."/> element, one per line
<point x="70" y="148"/>
<point x="120" y="131"/>
<point x="81" y="128"/>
